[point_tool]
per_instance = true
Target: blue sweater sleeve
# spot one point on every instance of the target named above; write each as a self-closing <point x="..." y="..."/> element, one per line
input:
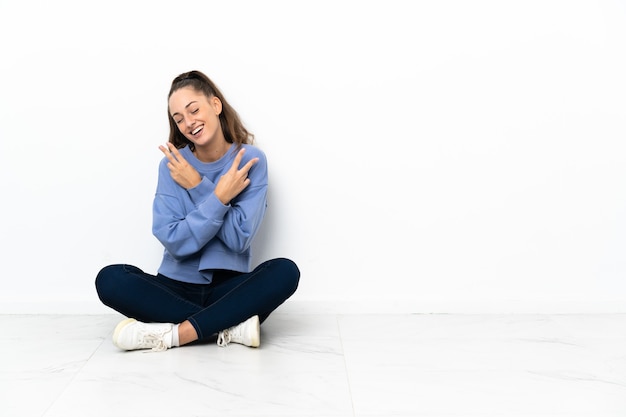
<point x="247" y="210"/>
<point x="185" y="221"/>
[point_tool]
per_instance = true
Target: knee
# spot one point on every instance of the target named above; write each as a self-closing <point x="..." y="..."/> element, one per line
<point x="290" y="273"/>
<point x="105" y="281"/>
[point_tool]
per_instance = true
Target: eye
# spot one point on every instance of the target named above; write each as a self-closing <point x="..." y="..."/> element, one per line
<point x="178" y="121"/>
<point x="194" y="111"/>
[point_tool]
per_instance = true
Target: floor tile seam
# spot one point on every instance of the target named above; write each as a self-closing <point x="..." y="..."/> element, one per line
<point x="73" y="378"/>
<point x="345" y="365"/>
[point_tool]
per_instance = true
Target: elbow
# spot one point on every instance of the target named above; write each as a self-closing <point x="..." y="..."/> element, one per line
<point x="240" y="246"/>
<point x="176" y="249"/>
<point x="177" y="254"/>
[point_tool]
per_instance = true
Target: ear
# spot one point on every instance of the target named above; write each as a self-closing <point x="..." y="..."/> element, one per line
<point x="216" y="103"/>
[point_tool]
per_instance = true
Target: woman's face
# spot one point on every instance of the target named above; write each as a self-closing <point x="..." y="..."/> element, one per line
<point x="196" y="116"/>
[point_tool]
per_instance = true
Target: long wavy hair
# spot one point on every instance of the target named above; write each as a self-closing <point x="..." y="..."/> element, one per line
<point x="233" y="128"/>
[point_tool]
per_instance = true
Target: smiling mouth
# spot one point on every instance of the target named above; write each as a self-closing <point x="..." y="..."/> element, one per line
<point x="197" y="130"/>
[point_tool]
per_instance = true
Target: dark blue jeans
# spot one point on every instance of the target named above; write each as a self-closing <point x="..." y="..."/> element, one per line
<point x="230" y="299"/>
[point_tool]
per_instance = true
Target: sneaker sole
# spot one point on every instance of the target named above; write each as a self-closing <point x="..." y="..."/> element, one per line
<point x="118" y="329"/>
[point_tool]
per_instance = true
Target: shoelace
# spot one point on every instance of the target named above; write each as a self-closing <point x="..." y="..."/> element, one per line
<point x="223" y="338"/>
<point x="156" y="339"/>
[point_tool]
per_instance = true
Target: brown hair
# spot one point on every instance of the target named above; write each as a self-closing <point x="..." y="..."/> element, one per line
<point x="233" y="128"/>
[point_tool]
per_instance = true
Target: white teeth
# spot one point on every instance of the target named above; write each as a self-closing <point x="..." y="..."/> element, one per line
<point x="196" y="130"/>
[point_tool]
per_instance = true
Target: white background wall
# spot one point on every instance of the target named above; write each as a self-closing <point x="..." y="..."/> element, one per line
<point x="425" y="156"/>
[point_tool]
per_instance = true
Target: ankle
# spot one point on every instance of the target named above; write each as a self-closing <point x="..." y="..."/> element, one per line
<point x="186" y="333"/>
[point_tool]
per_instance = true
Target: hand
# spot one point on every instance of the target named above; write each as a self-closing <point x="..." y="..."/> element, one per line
<point x="181" y="171"/>
<point x="235" y="180"/>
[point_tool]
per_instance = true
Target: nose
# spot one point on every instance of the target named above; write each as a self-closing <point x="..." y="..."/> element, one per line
<point x="189" y="122"/>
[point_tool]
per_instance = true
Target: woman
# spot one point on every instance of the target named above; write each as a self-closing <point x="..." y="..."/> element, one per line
<point x="209" y="204"/>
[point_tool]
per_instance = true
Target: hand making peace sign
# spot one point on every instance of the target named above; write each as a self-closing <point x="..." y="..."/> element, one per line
<point x="230" y="184"/>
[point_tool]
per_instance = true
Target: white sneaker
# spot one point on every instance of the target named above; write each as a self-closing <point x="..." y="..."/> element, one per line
<point x="247" y="333"/>
<point x="131" y="334"/>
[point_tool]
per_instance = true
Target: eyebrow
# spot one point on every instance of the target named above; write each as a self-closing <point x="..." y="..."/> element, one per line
<point x="190" y="103"/>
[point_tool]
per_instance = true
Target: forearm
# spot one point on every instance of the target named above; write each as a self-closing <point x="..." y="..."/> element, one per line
<point x="184" y="235"/>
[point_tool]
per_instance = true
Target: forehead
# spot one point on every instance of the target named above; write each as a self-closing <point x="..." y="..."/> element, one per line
<point x="183" y="96"/>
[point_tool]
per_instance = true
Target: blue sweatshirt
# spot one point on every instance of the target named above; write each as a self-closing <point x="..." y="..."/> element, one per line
<point x="200" y="233"/>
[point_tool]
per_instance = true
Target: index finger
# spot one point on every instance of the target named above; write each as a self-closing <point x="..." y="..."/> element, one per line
<point x="171" y="152"/>
<point x="238" y="157"/>
<point x="248" y="165"/>
<point x="165" y="151"/>
<point x="174" y="150"/>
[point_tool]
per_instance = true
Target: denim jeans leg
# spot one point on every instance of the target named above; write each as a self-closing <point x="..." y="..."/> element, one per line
<point x="134" y="293"/>
<point x="259" y="292"/>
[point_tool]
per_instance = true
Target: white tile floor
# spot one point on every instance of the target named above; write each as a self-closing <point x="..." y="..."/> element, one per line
<point x="324" y="365"/>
